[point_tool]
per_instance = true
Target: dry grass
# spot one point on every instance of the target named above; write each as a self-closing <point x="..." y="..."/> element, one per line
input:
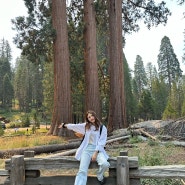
<point x="24" y="137"/>
<point x="22" y="141"/>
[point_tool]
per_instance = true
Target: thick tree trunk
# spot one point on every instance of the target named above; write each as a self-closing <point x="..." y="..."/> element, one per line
<point x="91" y="66"/>
<point x="62" y="86"/>
<point x="117" y="112"/>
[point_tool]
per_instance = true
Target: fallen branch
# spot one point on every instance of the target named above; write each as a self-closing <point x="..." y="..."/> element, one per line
<point x="147" y="134"/>
<point x="183" y="182"/>
<point x="66" y="153"/>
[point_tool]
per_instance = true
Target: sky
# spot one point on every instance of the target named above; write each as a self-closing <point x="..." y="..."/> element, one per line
<point x="10" y="9"/>
<point x="145" y="43"/>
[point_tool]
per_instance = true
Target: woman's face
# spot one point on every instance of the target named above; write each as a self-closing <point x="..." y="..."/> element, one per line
<point x="91" y="118"/>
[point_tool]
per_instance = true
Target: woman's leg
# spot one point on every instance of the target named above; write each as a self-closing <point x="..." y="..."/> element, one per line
<point x="103" y="166"/>
<point x="81" y="177"/>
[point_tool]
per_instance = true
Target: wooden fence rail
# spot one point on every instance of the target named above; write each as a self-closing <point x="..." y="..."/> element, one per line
<point x="123" y="170"/>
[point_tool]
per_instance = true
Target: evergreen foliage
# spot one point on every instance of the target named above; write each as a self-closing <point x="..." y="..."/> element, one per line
<point x="160" y="96"/>
<point x="183" y="57"/>
<point x="35" y="33"/>
<point x="6" y="87"/>
<point x="28" y="85"/>
<point x="146" y="106"/>
<point x="140" y="75"/>
<point x="25" y="120"/>
<point x="8" y="92"/>
<point x="47" y="82"/>
<point x="175" y="103"/>
<point x="131" y="103"/>
<point x="169" y="67"/>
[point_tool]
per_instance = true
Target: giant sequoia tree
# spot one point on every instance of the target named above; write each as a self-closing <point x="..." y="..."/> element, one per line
<point x="62" y="110"/>
<point x="36" y="37"/>
<point x="117" y="112"/>
<point x="131" y="12"/>
<point x="91" y="67"/>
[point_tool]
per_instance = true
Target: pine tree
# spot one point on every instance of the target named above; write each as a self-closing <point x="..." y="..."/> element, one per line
<point x="169" y="67"/>
<point x="47" y="82"/>
<point x="149" y="75"/>
<point x="22" y="84"/>
<point x="131" y="103"/>
<point x="8" y="92"/>
<point x="184" y="48"/>
<point x="175" y="102"/>
<point x="140" y="75"/>
<point x="146" y="105"/>
<point x="28" y="84"/>
<point x="183" y="101"/>
<point x="160" y="95"/>
<point x="5" y="74"/>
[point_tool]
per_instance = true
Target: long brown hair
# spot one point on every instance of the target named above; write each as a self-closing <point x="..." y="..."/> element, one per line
<point x="88" y="124"/>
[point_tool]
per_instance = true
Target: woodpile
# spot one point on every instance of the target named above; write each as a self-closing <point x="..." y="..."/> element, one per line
<point x="165" y="129"/>
<point x="176" y="129"/>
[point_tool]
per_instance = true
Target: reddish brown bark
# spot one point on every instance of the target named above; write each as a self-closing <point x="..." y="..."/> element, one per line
<point x="91" y="68"/>
<point x="117" y="113"/>
<point x="62" y="86"/>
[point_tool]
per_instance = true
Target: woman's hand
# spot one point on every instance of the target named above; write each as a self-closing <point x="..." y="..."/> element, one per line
<point x="62" y="125"/>
<point x="94" y="156"/>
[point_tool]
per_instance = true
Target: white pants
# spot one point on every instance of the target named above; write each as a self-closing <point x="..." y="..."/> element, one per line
<point x="81" y="177"/>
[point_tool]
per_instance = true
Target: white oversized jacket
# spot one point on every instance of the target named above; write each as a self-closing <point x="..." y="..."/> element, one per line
<point x="100" y="140"/>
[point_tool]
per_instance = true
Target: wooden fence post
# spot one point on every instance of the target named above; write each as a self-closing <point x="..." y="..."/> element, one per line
<point x="31" y="173"/>
<point x="29" y="153"/>
<point x="132" y="181"/>
<point x="17" y="172"/>
<point x="123" y="153"/>
<point x="122" y="170"/>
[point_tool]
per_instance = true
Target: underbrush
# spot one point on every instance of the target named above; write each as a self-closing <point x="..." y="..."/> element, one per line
<point x="149" y="153"/>
<point x="154" y="153"/>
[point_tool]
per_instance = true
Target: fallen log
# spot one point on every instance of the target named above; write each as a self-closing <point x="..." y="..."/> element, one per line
<point x="38" y="149"/>
<point x="176" y="143"/>
<point x="122" y="146"/>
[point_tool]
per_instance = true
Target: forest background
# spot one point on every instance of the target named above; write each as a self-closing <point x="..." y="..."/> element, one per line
<point x="89" y="72"/>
